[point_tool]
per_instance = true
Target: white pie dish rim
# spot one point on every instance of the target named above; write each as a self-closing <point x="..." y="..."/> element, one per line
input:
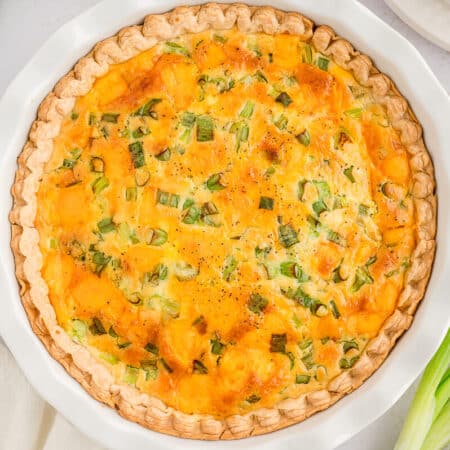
<point x="393" y="55"/>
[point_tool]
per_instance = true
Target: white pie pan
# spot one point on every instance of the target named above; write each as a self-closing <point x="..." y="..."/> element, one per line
<point x="394" y="56"/>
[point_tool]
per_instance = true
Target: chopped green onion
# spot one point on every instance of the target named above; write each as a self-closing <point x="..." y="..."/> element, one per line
<point x="106" y="225"/>
<point x="348" y="363"/>
<point x="74" y="115"/>
<point x="219" y="38"/>
<point x="362" y="277"/>
<point x="99" y="184"/>
<point x="262" y="252"/>
<point x="229" y="267"/>
<point x="123" y="344"/>
<point x="159" y="273"/>
<point x="341" y="138"/>
<point x="165" y="365"/>
<point x="213" y="183"/>
<point x="335" y="237"/>
<point x="188" y="119"/>
<point x="110" y="117"/>
<point x="147" y="108"/>
<point x="323" y="189"/>
<point x="173" y="47"/>
<point x="293" y="270"/>
<point x="205" y="129"/>
<point x="112" y="332"/>
<point x="141" y="176"/>
<point x="253" y="398"/>
<point x="278" y="343"/>
<point x="158" y="237"/>
<point x="260" y="76"/>
<point x="217" y="347"/>
<point x="348" y="173"/>
<point x="284" y="99"/>
<point x="185" y="272"/>
<point x="164" y="155"/>
<point x="191" y="215"/>
<point x="188" y="203"/>
<point x="140" y="132"/>
<point x="97" y="165"/>
<point x="92" y="119"/>
<point x="209" y="208"/>
<point x="349" y="345"/>
<point x="281" y="122"/>
<point x="257" y="303"/>
<point x="302" y="379"/>
<point x="355" y="113"/>
<point x="97" y="327"/>
<point x="79" y="329"/>
<point x="322" y="63"/>
<point x="304" y="138"/>
<point x="137" y="154"/>
<point x="130" y="194"/>
<point x="152" y="348"/>
<point x="247" y="110"/>
<point x="131" y="375"/>
<point x="334" y="309"/>
<point x="68" y="163"/>
<point x="150" y="368"/>
<point x="266" y="203"/>
<point x="307" y="54"/>
<point x="108" y="357"/>
<point x="301" y="189"/>
<point x="319" y="207"/>
<point x="337" y="277"/>
<point x="241" y="130"/>
<point x="101" y="261"/>
<point x="199" y="367"/>
<point x="287" y="235"/>
<point x="363" y="210"/>
<point x="162" y="197"/>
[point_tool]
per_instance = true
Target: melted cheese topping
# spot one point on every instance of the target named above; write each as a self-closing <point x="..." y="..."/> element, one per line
<point x="225" y="221"/>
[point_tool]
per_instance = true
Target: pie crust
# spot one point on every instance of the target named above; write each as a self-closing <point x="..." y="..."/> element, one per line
<point x="93" y="376"/>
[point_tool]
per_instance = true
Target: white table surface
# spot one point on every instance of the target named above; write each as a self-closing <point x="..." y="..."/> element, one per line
<point x="26" y="24"/>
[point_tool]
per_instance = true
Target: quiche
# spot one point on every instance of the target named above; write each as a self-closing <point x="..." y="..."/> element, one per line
<point x="223" y="220"/>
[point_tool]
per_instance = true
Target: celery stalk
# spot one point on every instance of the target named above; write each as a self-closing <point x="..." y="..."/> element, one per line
<point x="442" y="394"/>
<point x="439" y="434"/>
<point x="421" y="412"/>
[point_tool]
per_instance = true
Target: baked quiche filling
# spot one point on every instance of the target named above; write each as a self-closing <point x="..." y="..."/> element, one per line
<point x="226" y="220"/>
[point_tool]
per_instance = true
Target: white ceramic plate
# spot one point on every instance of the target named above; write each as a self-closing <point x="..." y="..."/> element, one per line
<point x="430" y="18"/>
<point x="324" y="431"/>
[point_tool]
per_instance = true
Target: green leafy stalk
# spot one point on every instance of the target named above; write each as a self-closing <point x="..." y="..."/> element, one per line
<point x="420" y="417"/>
<point x="438" y="435"/>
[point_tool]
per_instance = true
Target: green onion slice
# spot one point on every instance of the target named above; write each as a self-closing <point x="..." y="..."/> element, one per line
<point x="137" y="154"/>
<point x="257" y="303"/>
<point x="287" y="235"/>
<point x="99" y="184"/>
<point x="110" y="117"/>
<point x="266" y="203"/>
<point x="278" y="343"/>
<point x="199" y="367"/>
<point x="205" y="129"/>
<point x="284" y="99"/>
<point x="304" y="138"/>
<point x="247" y="110"/>
<point x="106" y="225"/>
<point x="174" y="47"/>
<point x="97" y="165"/>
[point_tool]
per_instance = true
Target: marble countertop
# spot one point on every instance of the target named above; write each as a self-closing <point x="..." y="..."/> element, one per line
<point x="24" y="27"/>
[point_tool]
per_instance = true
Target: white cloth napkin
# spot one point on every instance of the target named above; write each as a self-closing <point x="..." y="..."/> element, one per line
<point x="26" y="421"/>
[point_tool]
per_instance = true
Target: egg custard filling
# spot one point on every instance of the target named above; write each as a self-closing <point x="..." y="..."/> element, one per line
<point x="225" y="221"/>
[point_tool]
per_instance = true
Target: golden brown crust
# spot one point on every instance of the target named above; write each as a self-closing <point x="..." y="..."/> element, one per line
<point x="94" y="377"/>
